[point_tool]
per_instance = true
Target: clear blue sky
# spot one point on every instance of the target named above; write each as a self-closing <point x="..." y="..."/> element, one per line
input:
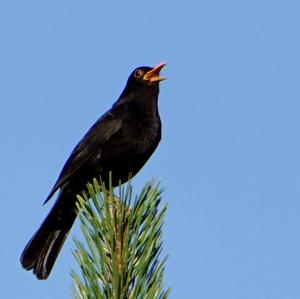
<point x="230" y="154"/>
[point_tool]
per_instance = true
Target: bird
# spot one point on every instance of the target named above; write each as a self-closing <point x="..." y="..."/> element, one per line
<point x="120" y="142"/>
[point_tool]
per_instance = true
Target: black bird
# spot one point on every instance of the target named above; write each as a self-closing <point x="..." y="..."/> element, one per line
<point x="121" y="141"/>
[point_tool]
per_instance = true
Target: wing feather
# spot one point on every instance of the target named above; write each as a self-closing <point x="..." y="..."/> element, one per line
<point x="98" y="134"/>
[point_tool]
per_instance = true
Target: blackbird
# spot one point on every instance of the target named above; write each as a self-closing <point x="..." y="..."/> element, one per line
<point x="120" y="142"/>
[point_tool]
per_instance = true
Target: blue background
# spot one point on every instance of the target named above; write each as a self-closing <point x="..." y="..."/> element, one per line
<point x="229" y="158"/>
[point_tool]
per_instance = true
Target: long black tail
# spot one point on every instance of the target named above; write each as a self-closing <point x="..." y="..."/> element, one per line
<point x="42" y="250"/>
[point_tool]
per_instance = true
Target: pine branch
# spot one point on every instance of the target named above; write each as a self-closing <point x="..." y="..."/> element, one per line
<point x="123" y="237"/>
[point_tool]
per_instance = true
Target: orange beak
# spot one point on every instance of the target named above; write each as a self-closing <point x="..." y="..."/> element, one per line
<point x="153" y="75"/>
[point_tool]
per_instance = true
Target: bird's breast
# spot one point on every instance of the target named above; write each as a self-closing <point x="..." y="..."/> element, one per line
<point x="143" y="135"/>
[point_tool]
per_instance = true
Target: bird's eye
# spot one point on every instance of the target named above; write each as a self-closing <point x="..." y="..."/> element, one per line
<point x="138" y="73"/>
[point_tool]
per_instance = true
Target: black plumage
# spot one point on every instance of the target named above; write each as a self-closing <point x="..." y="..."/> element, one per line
<point x="121" y="141"/>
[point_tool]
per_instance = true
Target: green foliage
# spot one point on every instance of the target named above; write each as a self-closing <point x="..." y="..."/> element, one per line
<point x="123" y="237"/>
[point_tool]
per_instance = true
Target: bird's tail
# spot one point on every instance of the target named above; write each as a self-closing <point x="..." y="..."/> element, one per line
<point x="42" y="250"/>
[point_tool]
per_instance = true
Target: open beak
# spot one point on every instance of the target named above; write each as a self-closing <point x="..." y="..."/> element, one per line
<point x="153" y="75"/>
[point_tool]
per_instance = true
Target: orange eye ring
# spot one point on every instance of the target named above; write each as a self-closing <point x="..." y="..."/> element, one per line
<point x="138" y="73"/>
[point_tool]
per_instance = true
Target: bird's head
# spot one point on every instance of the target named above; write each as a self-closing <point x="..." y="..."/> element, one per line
<point x="142" y="83"/>
<point x="145" y="76"/>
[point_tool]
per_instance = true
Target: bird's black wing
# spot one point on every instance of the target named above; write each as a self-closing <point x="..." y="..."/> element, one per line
<point x="99" y="133"/>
